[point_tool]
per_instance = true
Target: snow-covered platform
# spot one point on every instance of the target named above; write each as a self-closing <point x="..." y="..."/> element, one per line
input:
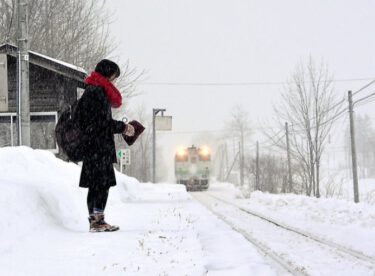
<point x="44" y="228"/>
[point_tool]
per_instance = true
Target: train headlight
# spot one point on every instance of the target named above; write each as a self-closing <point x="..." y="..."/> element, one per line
<point x="204" y="154"/>
<point x="181" y="152"/>
<point x="181" y="155"/>
<point x="205" y="151"/>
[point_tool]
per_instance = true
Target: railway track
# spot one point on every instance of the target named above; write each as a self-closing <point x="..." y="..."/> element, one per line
<point x="292" y="251"/>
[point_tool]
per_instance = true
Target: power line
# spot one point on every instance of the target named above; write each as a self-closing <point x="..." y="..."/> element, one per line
<point x="193" y="131"/>
<point x="275" y="143"/>
<point x="340" y="113"/>
<point x="370" y="100"/>
<point x="332" y="119"/>
<point x="250" y="148"/>
<point x="364" y="87"/>
<point x="336" y="117"/>
<point x="213" y="130"/>
<point x="161" y="83"/>
<point x="364" y="98"/>
<point x="271" y="138"/>
<point x="314" y="117"/>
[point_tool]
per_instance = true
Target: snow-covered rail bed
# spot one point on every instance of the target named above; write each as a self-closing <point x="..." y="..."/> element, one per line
<point x="302" y="232"/>
<point x="295" y="251"/>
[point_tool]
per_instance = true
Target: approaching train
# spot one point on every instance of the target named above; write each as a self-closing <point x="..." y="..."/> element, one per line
<point x="192" y="167"/>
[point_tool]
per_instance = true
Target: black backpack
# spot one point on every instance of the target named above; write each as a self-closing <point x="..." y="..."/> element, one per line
<point x="70" y="138"/>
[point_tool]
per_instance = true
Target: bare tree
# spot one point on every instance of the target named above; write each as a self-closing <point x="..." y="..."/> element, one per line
<point x="141" y="150"/>
<point x="239" y="128"/>
<point x="309" y="105"/>
<point x="127" y="85"/>
<point x="73" y="31"/>
<point x="70" y="30"/>
<point x="272" y="172"/>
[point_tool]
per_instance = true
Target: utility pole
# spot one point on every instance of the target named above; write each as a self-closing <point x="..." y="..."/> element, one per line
<point x="242" y="157"/>
<point x="22" y="95"/>
<point x="223" y="170"/>
<point x="354" y="152"/>
<point x="226" y="158"/>
<point x="290" y="184"/>
<point x="221" y="167"/>
<point x="257" y="184"/>
<point x="231" y="167"/>
<point x="155" y="111"/>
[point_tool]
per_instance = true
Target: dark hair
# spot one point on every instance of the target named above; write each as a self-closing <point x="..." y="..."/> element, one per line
<point x="107" y="68"/>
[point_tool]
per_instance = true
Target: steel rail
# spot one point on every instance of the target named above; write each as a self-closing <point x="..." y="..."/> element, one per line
<point x="279" y="261"/>
<point x="352" y="252"/>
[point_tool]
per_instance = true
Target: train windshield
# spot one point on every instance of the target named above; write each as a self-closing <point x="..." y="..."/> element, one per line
<point x="204" y="157"/>
<point x="181" y="158"/>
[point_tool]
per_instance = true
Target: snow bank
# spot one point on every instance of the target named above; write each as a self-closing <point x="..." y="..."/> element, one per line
<point x="366" y="187"/>
<point x="336" y="211"/>
<point x="38" y="189"/>
<point x="338" y="220"/>
<point x="339" y="185"/>
<point x="227" y="189"/>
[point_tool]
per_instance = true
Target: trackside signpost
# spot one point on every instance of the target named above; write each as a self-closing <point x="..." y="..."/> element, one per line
<point x="125" y="158"/>
<point x="163" y="122"/>
<point x="158" y="123"/>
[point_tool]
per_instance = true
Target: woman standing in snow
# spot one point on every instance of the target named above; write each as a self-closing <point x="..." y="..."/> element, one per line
<point x="94" y="116"/>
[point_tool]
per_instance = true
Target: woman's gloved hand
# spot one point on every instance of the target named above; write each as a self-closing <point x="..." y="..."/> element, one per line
<point x="129" y="130"/>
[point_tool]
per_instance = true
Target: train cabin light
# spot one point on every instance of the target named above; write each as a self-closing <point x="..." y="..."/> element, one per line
<point x="205" y="151"/>
<point x="204" y="154"/>
<point x="182" y="155"/>
<point x="181" y="152"/>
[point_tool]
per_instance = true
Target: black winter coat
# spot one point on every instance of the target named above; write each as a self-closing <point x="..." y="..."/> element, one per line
<point x="94" y="116"/>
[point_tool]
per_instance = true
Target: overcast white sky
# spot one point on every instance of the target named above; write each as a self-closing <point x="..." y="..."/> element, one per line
<point x="239" y="41"/>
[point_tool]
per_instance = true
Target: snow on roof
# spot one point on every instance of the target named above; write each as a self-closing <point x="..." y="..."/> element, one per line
<point x="63" y="63"/>
<point x="69" y="65"/>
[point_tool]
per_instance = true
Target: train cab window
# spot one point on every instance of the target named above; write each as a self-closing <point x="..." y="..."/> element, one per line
<point x="193" y="160"/>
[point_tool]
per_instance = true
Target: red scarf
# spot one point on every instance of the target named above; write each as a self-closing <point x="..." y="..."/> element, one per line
<point x="112" y="92"/>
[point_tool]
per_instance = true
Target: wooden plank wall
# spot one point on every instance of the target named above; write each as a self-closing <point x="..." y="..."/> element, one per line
<point x="49" y="91"/>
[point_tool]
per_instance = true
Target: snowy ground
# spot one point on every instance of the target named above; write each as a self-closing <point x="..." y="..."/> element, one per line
<point x="44" y="228"/>
<point x="296" y="252"/>
<point x="340" y="221"/>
